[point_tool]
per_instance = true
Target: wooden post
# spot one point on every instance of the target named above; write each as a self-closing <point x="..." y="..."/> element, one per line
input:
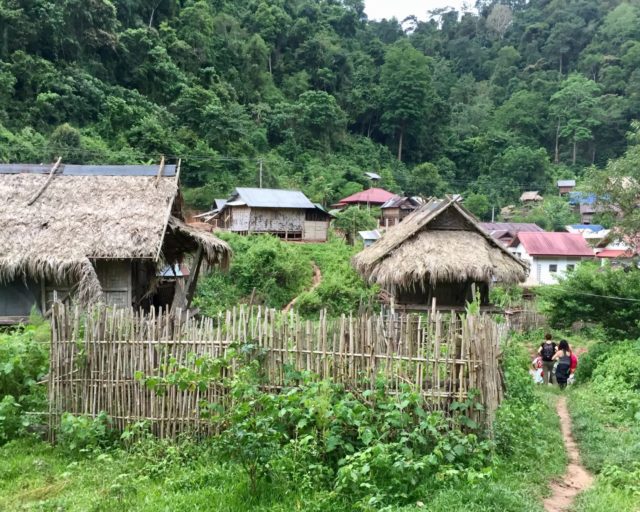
<point x="182" y="298"/>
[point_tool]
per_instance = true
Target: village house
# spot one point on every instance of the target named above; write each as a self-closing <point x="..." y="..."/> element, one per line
<point x="550" y="255"/>
<point x="592" y="233"/>
<point x="565" y="187"/>
<point x="530" y="197"/>
<point x="288" y="214"/>
<point x="505" y="232"/>
<point x="95" y="233"/>
<point x="372" y="197"/>
<point x="438" y="254"/>
<point x="397" y="208"/>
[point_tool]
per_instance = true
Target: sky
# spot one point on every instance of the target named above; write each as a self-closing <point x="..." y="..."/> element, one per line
<point x="378" y="9"/>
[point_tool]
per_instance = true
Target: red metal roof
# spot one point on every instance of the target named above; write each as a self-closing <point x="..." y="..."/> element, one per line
<point x="372" y="196"/>
<point x="615" y="253"/>
<point x="554" y="244"/>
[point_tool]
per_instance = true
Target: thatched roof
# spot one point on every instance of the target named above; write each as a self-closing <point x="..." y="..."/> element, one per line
<point x="439" y="242"/>
<point x="78" y="218"/>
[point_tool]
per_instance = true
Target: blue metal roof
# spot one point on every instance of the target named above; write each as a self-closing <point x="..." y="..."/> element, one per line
<point x="89" y="170"/>
<point x="273" y="198"/>
<point x="582" y="198"/>
<point x="588" y="227"/>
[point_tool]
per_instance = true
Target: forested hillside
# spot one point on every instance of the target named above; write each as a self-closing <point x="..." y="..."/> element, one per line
<point x="486" y="104"/>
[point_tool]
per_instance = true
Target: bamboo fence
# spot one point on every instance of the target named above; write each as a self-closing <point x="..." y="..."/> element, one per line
<point x="95" y="356"/>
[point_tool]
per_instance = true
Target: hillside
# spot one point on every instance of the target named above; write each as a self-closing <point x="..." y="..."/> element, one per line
<point x="487" y="104"/>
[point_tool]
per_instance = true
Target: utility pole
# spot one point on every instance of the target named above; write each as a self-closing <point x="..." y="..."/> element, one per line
<point x="260" y="161"/>
<point x="493" y="214"/>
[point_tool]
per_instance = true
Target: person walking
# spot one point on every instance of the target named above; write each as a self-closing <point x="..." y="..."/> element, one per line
<point x="547" y="350"/>
<point x="563" y="370"/>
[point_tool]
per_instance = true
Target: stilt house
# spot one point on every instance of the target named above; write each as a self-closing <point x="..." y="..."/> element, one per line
<point x="288" y="214"/>
<point x="94" y="233"/>
<point x="438" y="253"/>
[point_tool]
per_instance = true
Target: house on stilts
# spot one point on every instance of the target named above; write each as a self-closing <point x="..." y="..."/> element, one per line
<point x="438" y="254"/>
<point x="95" y="233"/>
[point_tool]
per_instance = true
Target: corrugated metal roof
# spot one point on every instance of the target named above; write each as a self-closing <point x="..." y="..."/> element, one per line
<point x="511" y="227"/>
<point x="586" y="227"/>
<point x="554" y="244"/>
<point x="273" y="198"/>
<point x="89" y="170"/>
<point x="615" y="253"/>
<point x="370" y="235"/>
<point x="566" y="183"/>
<point x="372" y="195"/>
<point x="373" y="176"/>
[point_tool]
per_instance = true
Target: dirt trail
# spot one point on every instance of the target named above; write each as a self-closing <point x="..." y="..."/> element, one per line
<point x="576" y="479"/>
<point x="317" y="279"/>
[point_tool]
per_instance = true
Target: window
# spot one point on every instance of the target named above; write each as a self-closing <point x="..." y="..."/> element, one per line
<point x="553" y="268"/>
<point x="571" y="266"/>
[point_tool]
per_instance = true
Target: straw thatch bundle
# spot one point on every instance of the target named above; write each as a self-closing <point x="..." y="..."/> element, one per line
<point x="439" y="242"/>
<point x="77" y="219"/>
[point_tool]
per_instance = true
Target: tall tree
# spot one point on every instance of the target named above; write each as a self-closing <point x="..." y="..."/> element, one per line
<point x="576" y="109"/>
<point x="407" y="92"/>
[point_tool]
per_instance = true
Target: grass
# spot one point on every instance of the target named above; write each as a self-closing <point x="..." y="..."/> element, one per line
<point x="35" y="476"/>
<point x="609" y="448"/>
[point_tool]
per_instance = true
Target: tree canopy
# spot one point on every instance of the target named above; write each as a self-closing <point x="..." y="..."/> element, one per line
<point x="486" y="103"/>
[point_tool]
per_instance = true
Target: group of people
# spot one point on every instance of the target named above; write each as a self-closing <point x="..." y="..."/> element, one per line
<point x="555" y="363"/>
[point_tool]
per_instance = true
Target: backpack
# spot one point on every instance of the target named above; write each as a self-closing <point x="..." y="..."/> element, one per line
<point x="548" y="350"/>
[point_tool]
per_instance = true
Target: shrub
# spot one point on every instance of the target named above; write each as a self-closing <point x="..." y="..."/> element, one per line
<point x="597" y="294"/>
<point x="11" y="419"/>
<point x="262" y="263"/>
<point x="82" y="434"/>
<point x="24" y="358"/>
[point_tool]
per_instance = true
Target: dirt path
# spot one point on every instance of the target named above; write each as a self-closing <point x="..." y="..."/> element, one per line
<point x="317" y="279"/>
<point x="576" y="479"/>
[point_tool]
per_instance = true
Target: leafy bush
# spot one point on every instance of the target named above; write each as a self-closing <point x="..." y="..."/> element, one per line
<point x="342" y="290"/>
<point x="360" y="446"/>
<point x="24" y="361"/>
<point x="597" y="294"/>
<point x="24" y="358"/>
<point x="11" y="419"/>
<point x="82" y="434"/>
<point x="262" y="263"/>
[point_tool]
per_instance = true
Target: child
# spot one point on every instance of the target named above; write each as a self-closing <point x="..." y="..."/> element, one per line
<point x="536" y="370"/>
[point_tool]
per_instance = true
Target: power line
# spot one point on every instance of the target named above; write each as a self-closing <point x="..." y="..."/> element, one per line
<point x="606" y="296"/>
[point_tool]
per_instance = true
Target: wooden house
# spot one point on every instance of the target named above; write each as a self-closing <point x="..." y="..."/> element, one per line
<point x="565" y="187"/>
<point x="372" y="197"/>
<point x="438" y="253"/>
<point x="396" y="209"/>
<point x="94" y="233"/>
<point x="288" y="214"/>
<point x="505" y="232"/>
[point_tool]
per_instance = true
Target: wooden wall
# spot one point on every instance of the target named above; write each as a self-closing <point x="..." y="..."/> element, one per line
<point x="316" y="230"/>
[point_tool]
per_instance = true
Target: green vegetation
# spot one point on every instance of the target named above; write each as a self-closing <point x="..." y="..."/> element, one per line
<point x="607" y="296"/>
<point x="606" y="421"/>
<point x="313" y="446"/>
<point x="24" y="360"/>
<point x="266" y="270"/>
<point x="487" y="103"/>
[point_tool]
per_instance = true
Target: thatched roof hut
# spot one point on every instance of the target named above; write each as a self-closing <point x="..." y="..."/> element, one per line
<point x="57" y="224"/>
<point x="438" y="252"/>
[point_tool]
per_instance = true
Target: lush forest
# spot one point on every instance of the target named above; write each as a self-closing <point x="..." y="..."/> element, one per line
<point x="487" y="103"/>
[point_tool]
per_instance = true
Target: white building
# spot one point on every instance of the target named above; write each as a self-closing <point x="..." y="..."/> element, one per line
<point x="550" y="255"/>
